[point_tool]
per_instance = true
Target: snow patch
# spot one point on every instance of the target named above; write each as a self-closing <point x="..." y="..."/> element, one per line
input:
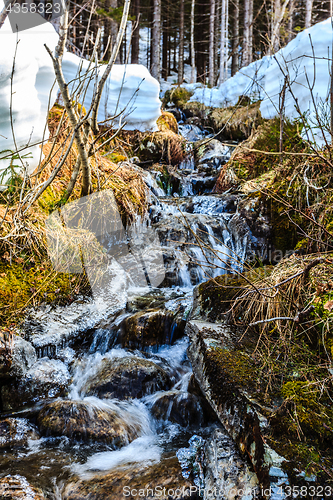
<point x="265" y="78"/>
<point x="129" y="88"/>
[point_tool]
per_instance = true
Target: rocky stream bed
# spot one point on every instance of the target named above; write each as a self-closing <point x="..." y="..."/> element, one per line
<point x="121" y="398"/>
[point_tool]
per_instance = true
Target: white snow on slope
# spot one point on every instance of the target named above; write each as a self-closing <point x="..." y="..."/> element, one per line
<point x="264" y="79"/>
<point x="130" y="88"/>
<point x="32" y="82"/>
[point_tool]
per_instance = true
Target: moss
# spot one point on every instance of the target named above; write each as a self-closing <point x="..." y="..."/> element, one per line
<point x="167" y="122"/>
<point x="217" y="295"/>
<point x="237" y="365"/>
<point x="26" y="283"/>
<point x="302" y="427"/>
<point x="235" y="122"/>
<point x="116" y="157"/>
<point x="177" y="96"/>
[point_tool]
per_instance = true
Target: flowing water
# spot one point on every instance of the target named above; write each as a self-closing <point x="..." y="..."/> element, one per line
<point x="199" y="237"/>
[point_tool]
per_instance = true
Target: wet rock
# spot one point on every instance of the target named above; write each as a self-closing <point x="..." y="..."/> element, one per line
<point x="149" y="328"/>
<point x="210" y="155"/>
<point x="16" y="432"/>
<point x="176" y="113"/>
<point x="254" y="211"/>
<point x="45" y="379"/>
<point x="179" y="407"/>
<point x="163" y="481"/>
<point x="191" y="109"/>
<point x="226" y="472"/>
<point x="191" y="132"/>
<point x="225" y="373"/>
<point x="17" y="488"/>
<point x="129" y="377"/>
<point x="16" y="356"/>
<point x="51" y="328"/>
<point x="86" y="421"/>
<point x="197" y="184"/>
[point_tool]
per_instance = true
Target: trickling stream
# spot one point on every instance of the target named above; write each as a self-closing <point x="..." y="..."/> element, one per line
<point x="128" y="395"/>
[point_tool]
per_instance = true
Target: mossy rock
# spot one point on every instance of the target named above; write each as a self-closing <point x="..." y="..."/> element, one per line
<point x="177" y="96"/>
<point x="124" y="378"/>
<point x="165" y="147"/>
<point x="235" y="122"/>
<point x="196" y="109"/>
<point x="149" y="328"/>
<point x="84" y="421"/>
<point x="30" y="281"/>
<point x="213" y="299"/>
<point x="166" y="122"/>
<point x="226" y="375"/>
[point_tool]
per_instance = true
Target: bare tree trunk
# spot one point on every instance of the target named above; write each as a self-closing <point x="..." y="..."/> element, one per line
<point x="211" y="77"/>
<point x="331" y="89"/>
<point x="291" y="20"/>
<point x="192" y="43"/>
<point x="246" y="35"/>
<point x="279" y="12"/>
<point x="114" y="32"/>
<point x="4" y="12"/>
<point x="136" y="34"/>
<point x="156" y="41"/>
<point x="250" y="55"/>
<point x="235" y="38"/>
<point x="181" y="45"/>
<point x="308" y="13"/>
<point x="224" y="42"/>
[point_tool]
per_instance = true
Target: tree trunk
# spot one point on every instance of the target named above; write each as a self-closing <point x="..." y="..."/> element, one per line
<point x="181" y="45"/>
<point x="291" y="20"/>
<point x="201" y="39"/>
<point x="246" y="34"/>
<point x="224" y="42"/>
<point x="114" y="32"/>
<point x="308" y="13"/>
<point x="136" y="33"/>
<point x="235" y="38"/>
<point x="192" y="43"/>
<point x="279" y="11"/>
<point x="211" y="44"/>
<point x="156" y="41"/>
<point x="250" y="55"/>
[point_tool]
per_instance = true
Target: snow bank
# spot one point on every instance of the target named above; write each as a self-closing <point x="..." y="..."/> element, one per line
<point x="129" y="88"/>
<point x="31" y="86"/>
<point x="296" y="61"/>
<point x="264" y="79"/>
<point x="248" y="81"/>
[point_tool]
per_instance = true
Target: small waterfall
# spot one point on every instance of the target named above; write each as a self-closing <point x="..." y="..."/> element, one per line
<point x="196" y="235"/>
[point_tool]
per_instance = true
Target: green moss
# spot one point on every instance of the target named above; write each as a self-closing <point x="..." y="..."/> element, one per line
<point x="237" y="365"/>
<point x="235" y="122"/>
<point x="27" y="282"/>
<point x="217" y="295"/>
<point x="178" y="96"/>
<point x="167" y="122"/>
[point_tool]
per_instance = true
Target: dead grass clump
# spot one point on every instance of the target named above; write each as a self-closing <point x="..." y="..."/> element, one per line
<point x="26" y="270"/>
<point x="235" y="122"/>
